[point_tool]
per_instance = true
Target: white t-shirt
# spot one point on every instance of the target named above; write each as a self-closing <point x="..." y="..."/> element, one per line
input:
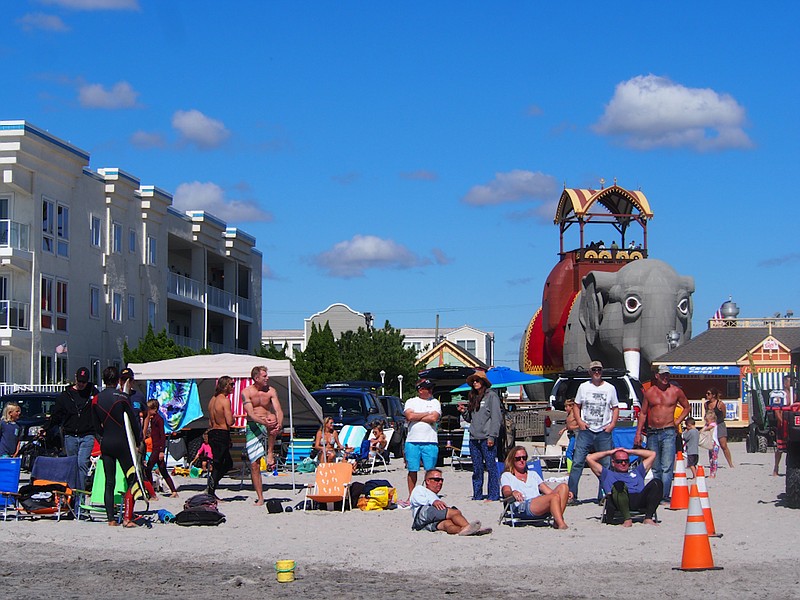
<point x="596" y="403"/>
<point x="422" y="496"/>
<point x="419" y="431"/>
<point x="529" y="489"/>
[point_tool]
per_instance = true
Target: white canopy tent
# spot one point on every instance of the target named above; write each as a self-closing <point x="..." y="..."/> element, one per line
<point x="205" y="369"/>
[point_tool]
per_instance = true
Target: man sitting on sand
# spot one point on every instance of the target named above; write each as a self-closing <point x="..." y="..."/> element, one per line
<point x="625" y="488"/>
<point x="434" y="515"/>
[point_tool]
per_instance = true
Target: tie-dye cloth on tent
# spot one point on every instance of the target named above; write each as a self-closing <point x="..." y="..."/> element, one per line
<point x="179" y="400"/>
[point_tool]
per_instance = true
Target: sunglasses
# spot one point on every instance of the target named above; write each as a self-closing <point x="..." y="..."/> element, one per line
<point x="519" y="458"/>
<point x="597" y="370"/>
<point x="436" y="479"/>
<point x="621" y="461"/>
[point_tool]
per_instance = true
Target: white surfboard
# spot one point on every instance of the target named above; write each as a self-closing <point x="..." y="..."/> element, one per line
<point x="137" y="464"/>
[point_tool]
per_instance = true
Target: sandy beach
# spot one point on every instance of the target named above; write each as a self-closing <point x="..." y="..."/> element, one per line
<point x="364" y="554"/>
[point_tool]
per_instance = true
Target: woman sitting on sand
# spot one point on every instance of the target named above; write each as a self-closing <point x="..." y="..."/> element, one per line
<point x="534" y="498"/>
<point x="326" y="443"/>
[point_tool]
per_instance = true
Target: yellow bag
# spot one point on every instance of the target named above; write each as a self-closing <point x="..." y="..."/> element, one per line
<point x="383" y="495"/>
<point x="372" y="504"/>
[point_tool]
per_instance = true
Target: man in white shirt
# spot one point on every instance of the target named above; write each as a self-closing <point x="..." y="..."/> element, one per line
<point x="596" y="410"/>
<point x="422" y="415"/>
<point x="432" y="514"/>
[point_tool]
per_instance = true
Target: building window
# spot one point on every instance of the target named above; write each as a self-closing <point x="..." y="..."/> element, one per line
<point x="132" y="241"/>
<point x="63" y="231"/>
<point x="415" y="345"/>
<point x="152" y="250"/>
<point x="48" y="226"/>
<point x="116" y="307"/>
<point x="61" y="369"/>
<point x="296" y="348"/>
<point x="116" y="238"/>
<point x="46" y="369"/>
<point x="47" y="302"/>
<point x="468" y="345"/>
<point x="61" y="306"/>
<point x="4" y="367"/>
<point x="131" y="307"/>
<point x="151" y="313"/>
<point x="96" y="232"/>
<point x="94" y="302"/>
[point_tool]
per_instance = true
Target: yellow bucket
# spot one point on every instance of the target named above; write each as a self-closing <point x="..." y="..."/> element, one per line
<point x="284" y="571"/>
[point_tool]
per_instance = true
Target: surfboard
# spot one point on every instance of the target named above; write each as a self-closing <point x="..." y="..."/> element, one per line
<point x="137" y="464"/>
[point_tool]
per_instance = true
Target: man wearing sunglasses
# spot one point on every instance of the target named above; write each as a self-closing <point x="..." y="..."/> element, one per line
<point x="432" y="514"/>
<point x="596" y="410"/>
<point x="624" y="487"/>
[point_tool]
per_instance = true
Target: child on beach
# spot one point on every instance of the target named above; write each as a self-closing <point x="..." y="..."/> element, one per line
<point x="10" y="430"/>
<point x="713" y="453"/>
<point x="204" y="455"/>
<point x="154" y="422"/>
<point x="691" y="437"/>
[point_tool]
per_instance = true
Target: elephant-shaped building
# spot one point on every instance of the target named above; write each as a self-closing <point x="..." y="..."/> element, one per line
<point x="606" y="302"/>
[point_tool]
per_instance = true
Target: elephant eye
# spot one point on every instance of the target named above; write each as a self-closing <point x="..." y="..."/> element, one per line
<point x="683" y="306"/>
<point x="632" y="304"/>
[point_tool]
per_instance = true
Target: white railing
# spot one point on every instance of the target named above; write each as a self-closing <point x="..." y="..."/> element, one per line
<point x="192" y="343"/>
<point x="732" y="410"/>
<point x="185" y="287"/>
<point x="13" y="314"/>
<point x="14" y="235"/>
<point x="13" y="388"/>
<point x="220" y="299"/>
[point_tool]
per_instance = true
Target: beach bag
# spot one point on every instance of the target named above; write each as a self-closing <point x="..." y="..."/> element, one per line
<point x="706" y="440"/>
<point x="202" y="515"/>
<point x="307" y="466"/>
<point x="274" y="506"/>
<point x="374" y="483"/>
<point x="200" y="501"/>
<point x="383" y="496"/>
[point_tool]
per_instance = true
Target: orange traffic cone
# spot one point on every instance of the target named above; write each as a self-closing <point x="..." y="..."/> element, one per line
<point x="696" y="547"/>
<point x="680" y="487"/>
<point x="702" y="491"/>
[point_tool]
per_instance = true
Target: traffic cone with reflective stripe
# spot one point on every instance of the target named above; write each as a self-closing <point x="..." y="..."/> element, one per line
<point x="696" y="547"/>
<point x="702" y="490"/>
<point x="680" y="489"/>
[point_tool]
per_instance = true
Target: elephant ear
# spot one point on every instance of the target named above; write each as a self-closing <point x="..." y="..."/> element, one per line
<point x="594" y="297"/>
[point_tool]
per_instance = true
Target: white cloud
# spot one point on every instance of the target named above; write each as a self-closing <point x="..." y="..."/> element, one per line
<point x="651" y="112"/>
<point x="440" y="257"/>
<point x="33" y="21"/>
<point x="95" y="4"/>
<point x="196" y="128"/>
<point x="148" y="139"/>
<point x="351" y="258"/>
<point x="94" y="95"/>
<point x="268" y="273"/>
<point x="512" y="187"/>
<point x="211" y="198"/>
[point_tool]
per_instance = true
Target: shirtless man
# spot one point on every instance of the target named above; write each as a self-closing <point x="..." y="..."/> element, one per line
<point x="264" y="424"/>
<point x="220" y="421"/>
<point x="658" y="411"/>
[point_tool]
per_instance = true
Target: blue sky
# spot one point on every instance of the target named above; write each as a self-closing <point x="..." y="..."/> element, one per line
<point x="406" y="158"/>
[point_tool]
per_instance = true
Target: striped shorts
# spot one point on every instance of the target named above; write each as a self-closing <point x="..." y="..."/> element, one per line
<point x="256" y="440"/>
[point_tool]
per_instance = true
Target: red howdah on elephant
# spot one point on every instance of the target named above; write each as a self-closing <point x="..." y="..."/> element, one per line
<point x="607" y="304"/>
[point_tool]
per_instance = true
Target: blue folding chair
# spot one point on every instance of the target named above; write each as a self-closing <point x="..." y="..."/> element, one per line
<point x="9" y="484"/>
<point x="463" y="455"/>
<point x="509" y="516"/>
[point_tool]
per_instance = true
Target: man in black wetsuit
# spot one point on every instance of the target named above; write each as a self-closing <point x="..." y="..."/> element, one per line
<point x="109" y="410"/>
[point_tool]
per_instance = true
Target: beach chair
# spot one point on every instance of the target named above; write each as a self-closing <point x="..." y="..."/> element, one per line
<point x="351" y="436"/>
<point x="459" y="456"/>
<point x="366" y="460"/>
<point x="95" y="505"/>
<point x="298" y="450"/>
<point x="331" y="485"/>
<point x="554" y="452"/>
<point x="379" y="456"/>
<point x="50" y="491"/>
<point x="9" y="484"/>
<point x="509" y="516"/>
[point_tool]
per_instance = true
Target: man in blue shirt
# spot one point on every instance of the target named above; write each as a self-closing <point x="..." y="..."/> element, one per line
<point x="624" y="486"/>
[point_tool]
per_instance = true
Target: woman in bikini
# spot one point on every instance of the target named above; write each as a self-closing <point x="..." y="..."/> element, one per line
<point x="326" y="442"/>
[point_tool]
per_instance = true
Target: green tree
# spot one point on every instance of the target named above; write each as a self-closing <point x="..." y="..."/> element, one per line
<point x="320" y="362"/>
<point x="155" y="347"/>
<point x="271" y="351"/>
<point x="365" y="353"/>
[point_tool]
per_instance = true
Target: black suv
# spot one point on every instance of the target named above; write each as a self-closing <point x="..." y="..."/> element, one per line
<point x="350" y="406"/>
<point x="393" y="407"/>
<point x="629" y="390"/>
<point x="36" y="408"/>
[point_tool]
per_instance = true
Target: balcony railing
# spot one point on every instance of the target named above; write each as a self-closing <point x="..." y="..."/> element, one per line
<point x="14" y="315"/>
<point x="192" y="343"/>
<point x="220" y="299"/>
<point x="245" y="307"/>
<point x="185" y="287"/>
<point x="14" y="235"/>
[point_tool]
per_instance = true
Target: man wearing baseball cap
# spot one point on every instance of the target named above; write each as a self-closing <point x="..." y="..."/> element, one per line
<point x="127" y="384"/>
<point x="422" y="414"/>
<point x="73" y="412"/>
<point x="596" y="409"/>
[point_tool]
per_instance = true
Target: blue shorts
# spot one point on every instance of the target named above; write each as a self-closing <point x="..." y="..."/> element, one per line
<point x="427" y="452"/>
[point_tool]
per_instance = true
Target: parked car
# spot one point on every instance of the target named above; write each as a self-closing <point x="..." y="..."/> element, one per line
<point x="629" y="390"/>
<point x="350" y="406"/>
<point x="36" y="408"/>
<point x="393" y="407"/>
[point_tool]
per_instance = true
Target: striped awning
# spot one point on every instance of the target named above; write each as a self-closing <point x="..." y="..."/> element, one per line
<point x="576" y="202"/>
<point x="769" y="381"/>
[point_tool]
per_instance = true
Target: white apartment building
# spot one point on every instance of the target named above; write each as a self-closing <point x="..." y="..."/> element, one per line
<point x="89" y="259"/>
<point x="343" y="318"/>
